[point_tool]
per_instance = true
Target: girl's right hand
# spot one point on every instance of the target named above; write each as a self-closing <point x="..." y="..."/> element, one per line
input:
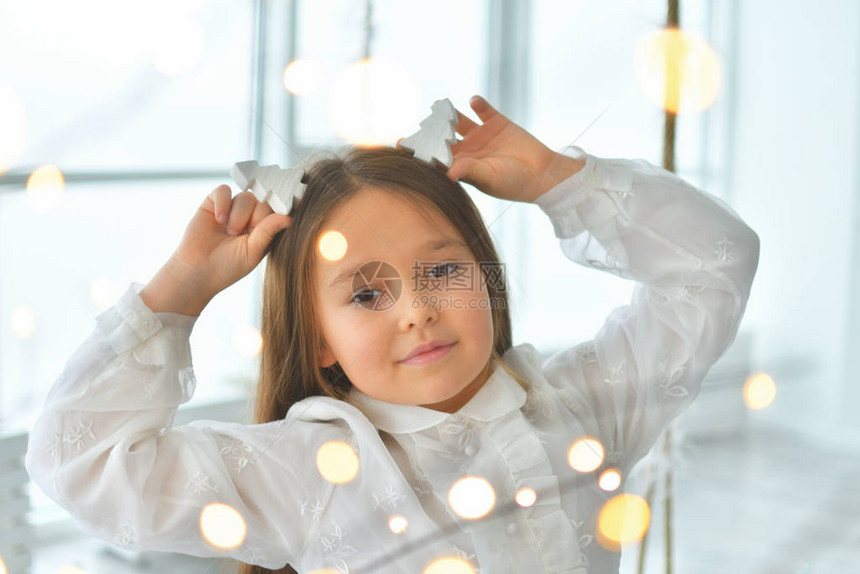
<point x="226" y="239"/>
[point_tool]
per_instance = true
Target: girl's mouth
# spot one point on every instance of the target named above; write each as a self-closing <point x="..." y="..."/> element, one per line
<point x="429" y="356"/>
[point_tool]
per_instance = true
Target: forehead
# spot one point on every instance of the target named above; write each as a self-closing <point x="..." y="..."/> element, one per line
<point x="376" y="217"/>
<point x="383" y="225"/>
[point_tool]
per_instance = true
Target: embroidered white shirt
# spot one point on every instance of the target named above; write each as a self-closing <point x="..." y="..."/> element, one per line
<point x="105" y="447"/>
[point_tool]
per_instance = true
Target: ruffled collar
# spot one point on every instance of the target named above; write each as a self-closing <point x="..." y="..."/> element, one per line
<point x="500" y="395"/>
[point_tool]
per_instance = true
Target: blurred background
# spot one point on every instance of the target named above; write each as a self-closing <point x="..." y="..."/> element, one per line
<point x="118" y="118"/>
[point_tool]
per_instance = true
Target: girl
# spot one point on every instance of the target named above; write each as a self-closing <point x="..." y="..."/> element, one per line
<point x="339" y="366"/>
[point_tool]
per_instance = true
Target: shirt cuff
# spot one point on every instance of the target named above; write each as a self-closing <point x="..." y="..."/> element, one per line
<point x="581" y="201"/>
<point x="130" y="322"/>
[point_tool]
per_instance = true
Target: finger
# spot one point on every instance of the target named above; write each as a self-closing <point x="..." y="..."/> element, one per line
<point x="260" y="212"/>
<point x="461" y="169"/>
<point x="240" y="212"/>
<point x="261" y="236"/>
<point x="218" y="202"/>
<point x="464" y="124"/>
<point x="482" y="107"/>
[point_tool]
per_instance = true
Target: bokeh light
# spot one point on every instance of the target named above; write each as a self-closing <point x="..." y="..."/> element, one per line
<point x="102" y="293"/>
<point x="585" y="455"/>
<point x="2" y="566"/>
<point x="397" y="524"/>
<point x="526" y="497"/>
<point x="759" y="391"/>
<point x="222" y="525"/>
<point x="677" y="71"/>
<point x="23" y="321"/>
<point x="449" y="566"/>
<point x="624" y="518"/>
<point x="337" y="462"/>
<point x="178" y="47"/>
<point x="471" y="497"/>
<point x="303" y="76"/>
<point x="374" y="102"/>
<point x="248" y="341"/>
<point x="45" y="188"/>
<point x="332" y="245"/>
<point x="610" y="479"/>
<point x="14" y="130"/>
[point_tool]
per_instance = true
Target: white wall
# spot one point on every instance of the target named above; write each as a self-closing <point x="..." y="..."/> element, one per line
<point x="795" y="182"/>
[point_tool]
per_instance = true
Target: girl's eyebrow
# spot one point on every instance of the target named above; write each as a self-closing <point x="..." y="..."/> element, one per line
<point x="432" y="246"/>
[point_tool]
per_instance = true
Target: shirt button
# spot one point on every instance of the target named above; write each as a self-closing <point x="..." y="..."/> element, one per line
<point x="470" y="450"/>
<point x="146" y="323"/>
<point x="512" y="527"/>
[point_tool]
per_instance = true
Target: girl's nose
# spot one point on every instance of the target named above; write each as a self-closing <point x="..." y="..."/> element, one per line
<point x="419" y="304"/>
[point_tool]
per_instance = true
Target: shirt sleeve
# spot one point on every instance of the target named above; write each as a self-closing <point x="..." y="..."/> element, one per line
<point x="693" y="259"/>
<point x="105" y="449"/>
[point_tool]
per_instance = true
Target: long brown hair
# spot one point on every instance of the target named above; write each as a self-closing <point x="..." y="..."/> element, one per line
<point x="289" y="368"/>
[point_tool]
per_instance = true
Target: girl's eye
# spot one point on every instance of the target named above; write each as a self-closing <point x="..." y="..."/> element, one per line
<point x="446" y="267"/>
<point x="366" y="296"/>
<point x="359" y="298"/>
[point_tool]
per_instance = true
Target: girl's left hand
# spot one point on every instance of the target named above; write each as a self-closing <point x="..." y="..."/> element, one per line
<point x="503" y="160"/>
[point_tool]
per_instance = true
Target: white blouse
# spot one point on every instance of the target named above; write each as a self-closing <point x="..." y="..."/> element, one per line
<point x="105" y="447"/>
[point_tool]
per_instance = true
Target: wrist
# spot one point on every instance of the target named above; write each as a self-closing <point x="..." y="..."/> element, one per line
<point x="560" y="168"/>
<point x="175" y="289"/>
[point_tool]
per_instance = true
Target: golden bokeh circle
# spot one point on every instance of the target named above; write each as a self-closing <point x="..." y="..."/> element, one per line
<point x="373" y="101"/>
<point x="332" y="245"/>
<point x="677" y="70"/>
<point x="23" y="321"/>
<point x="302" y="76"/>
<point x="248" y="340"/>
<point x="222" y="526"/>
<point x="449" y="565"/>
<point x="397" y="524"/>
<point x="585" y="455"/>
<point x="471" y="497"/>
<point x="610" y="479"/>
<point x="337" y="462"/>
<point x="525" y="497"/>
<point x="45" y="188"/>
<point x="624" y="518"/>
<point x="759" y="391"/>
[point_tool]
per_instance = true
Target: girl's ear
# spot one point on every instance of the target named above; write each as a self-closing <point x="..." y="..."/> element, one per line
<point x="327" y="358"/>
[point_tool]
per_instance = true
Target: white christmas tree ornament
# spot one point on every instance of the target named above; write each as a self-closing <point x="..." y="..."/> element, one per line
<point x="281" y="188"/>
<point x="433" y="141"/>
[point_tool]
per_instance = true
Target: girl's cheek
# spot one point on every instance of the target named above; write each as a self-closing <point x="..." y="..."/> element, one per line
<point x="358" y="320"/>
<point x="468" y="302"/>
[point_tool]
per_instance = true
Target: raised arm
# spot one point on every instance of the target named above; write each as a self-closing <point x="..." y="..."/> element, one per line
<point x="693" y="259"/>
<point x="104" y="448"/>
<point x="692" y="256"/>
